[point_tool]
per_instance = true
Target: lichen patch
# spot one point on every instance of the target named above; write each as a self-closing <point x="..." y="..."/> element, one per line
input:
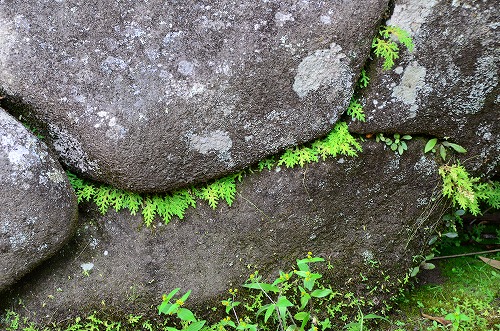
<point x="323" y="68"/>
<point x="413" y="79"/>
<point x="218" y="142"/>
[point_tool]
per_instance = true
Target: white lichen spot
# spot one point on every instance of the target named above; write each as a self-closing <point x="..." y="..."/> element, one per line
<point x="56" y="176"/>
<point x="425" y="165"/>
<point x="412" y="81"/>
<point x="196" y="89"/>
<point x="411" y="15"/>
<point x="325" y="19"/>
<point x="323" y="68"/>
<point x="281" y="18"/>
<point x="218" y="142"/>
<point x="18" y="155"/>
<point x="185" y="68"/>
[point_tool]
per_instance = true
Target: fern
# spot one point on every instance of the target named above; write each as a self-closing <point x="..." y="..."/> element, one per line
<point x="268" y="163"/>
<point x="289" y="158"/>
<point x="401" y="35"/>
<point x="166" y="206"/>
<point x="149" y="211"/>
<point x="460" y="188"/>
<point x="132" y="201"/>
<point x="384" y="46"/>
<point x="489" y="193"/>
<point x="102" y="198"/>
<point x="355" y="110"/>
<point x="211" y="194"/>
<point x="363" y="79"/>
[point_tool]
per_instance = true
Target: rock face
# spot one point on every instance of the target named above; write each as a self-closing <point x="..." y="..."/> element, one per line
<point x="351" y="211"/>
<point x="154" y="95"/>
<point x="38" y="210"/>
<point x="448" y="86"/>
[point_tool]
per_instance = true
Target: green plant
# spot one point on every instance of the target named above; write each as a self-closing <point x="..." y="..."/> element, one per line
<point x="338" y="142"/>
<point x="456" y="318"/>
<point x="396" y="144"/>
<point x="355" y="110"/>
<point x="188" y="321"/>
<point x="385" y="47"/>
<point x="424" y="264"/>
<point x="466" y="191"/>
<point x="433" y="146"/>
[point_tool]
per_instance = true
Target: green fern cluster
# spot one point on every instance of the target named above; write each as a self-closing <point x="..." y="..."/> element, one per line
<point x="338" y="142"/>
<point x="468" y="192"/>
<point x="166" y="206"/>
<point x="384" y="45"/>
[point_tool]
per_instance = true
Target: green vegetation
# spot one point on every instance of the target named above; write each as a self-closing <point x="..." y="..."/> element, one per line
<point x="433" y="146"/>
<point x="338" y="142"/>
<point x="385" y="47"/>
<point x="468" y="192"/>
<point x="397" y="144"/>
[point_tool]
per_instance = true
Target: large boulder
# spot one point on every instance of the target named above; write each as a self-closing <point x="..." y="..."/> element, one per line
<point x="154" y="95"/>
<point x="38" y="210"/>
<point x="448" y="86"/>
<point x="368" y="215"/>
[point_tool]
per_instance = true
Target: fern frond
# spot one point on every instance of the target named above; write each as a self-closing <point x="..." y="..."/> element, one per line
<point x="355" y="110"/>
<point x="227" y="188"/>
<point x="132" y="201"/>
<point x="266" y="163"/>
<point x="289" y="159"/>
<point x="363" y="79"/>
<point x="459" y="187"/>
<point x="86" y="193"/>
<point x="102" y="198"/>
<point x="149" y="211"/>
<point x="401" y="35"/>
<point x="386" y="49"/>
<point x="211" y="194"/>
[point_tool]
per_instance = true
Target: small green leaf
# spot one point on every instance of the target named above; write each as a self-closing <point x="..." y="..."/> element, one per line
<point x="283" y="302"/>
<point x="428" y="266"/>
<point x="414" y="271"/>
<point x="430" y="145"/>
<point x="442" y="152"/>
<point x="186" y="315"/>
<point x="406" y="137"/>
<point x="195" y="326"/>
<point x="458" y="148"/>
<point x="432" y="240"/>
<point x="262" y="286"/>
<point x="269" y="312"/>
<point x="451" y="234"/>
<point x="321" y="293"/>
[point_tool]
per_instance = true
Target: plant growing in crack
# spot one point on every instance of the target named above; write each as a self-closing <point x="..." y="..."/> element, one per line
<point x="443" y="146"/>
<point x="397" y="144"/>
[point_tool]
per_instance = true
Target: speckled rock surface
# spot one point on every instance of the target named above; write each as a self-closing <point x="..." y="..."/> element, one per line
<point x="448" y="86"/>
<point x="38" y="210"/>
<point x="153" y="95"/>
<point x="365" y="215"/>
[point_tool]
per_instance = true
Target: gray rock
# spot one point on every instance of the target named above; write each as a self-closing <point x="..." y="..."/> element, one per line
<point x="366" y="215"/>
<point x="448" y="86"/>
<point x="38" y="210"/>
<point x="155" y="95"/>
